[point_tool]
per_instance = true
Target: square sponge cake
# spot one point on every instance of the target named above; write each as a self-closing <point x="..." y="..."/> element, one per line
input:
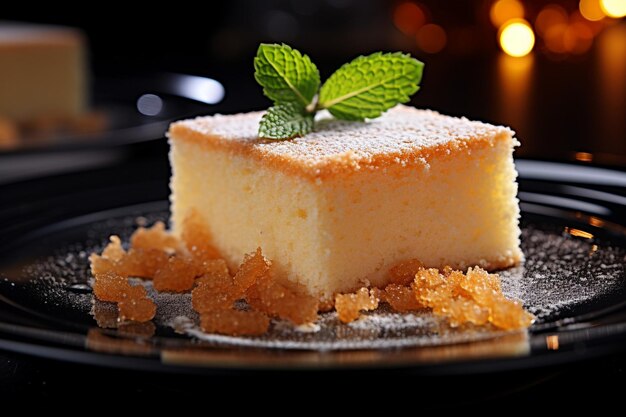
<point x="339" y="207"/>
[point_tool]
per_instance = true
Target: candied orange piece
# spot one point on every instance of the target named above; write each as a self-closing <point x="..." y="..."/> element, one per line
<point x="213" y="267"/>
<point x="108" y="286"/>
<point x="137" y="309"/>
<point x="215" y="289"/>
<point x="134" y="291"/>
<point x="155" y="237"/>
<point x="115" y="288"/>
<point x="462" y="310"/>
<point x="404" y="273"/>
<point x="509" y="314"/>
<point x="401" y="298"/>
<point x="254" y="266"/>
<point x="100" y="265"/>
<point x="197" y="237"/>
<point x="141" y="263"/>
<point x="474" y="297"/>
<point x="177" y="275"/>
<point x="349" y="306"/>
<point x="480" y="285"/>
<point x="114" y="250"/>
<point x="278" y="300"/>
<point x="218" y="293"/>
<point x="234" y="322"/>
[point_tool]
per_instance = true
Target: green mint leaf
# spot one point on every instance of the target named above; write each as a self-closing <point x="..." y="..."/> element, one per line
<point x="286" y="75"/>
<point x="285" y="121"/>
<point x="370" y="85"/>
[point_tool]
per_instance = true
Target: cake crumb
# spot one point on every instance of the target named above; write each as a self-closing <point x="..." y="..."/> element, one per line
<point x="349" y="306"/>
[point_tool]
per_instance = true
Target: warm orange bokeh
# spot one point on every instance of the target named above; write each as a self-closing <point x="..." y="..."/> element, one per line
<point x="431" y="38"/>
<point x="591" y="10"/>
<point x="408" y="18"/>
<point x="549" y="17"/>
<point x="504" y="10"/>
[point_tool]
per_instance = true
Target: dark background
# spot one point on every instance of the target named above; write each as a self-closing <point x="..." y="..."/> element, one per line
<point x="560" y="103"/>
<point x="563" y="105"/>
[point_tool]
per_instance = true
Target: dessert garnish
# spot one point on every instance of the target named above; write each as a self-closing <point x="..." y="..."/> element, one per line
<point x="361" y="89"/>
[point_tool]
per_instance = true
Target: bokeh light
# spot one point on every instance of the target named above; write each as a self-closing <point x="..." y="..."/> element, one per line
<point x="578" y="38"/>
<point x="504" y="10"/>
<point x="431" y="38"/>
<point x="549" y="17"/>
<point x="591" y="10"/>
<point x="614" y="8"/>
<point x="517" y="38"/>
<point x="408" y="17"/>
<point x="554" y="38"/>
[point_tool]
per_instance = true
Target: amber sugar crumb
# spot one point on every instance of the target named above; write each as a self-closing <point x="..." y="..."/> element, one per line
<point x="474" y="297"/>
<point x="254" y="282"/>
<point x="214" y="291"/>
<point x="401" y="298"/>
<point x="178" y="274"/>
<point x="132" y="301"/>
<point x="193" y="264"/>
<point x="349" y="306"/>
<point x="155" y="237"/>
<point x="254" y="266"/>
<point x="136" y="309"/>
<point x="279" y="300"/>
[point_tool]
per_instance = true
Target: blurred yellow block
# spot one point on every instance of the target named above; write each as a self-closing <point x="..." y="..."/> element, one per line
<point x="42" y="72"/>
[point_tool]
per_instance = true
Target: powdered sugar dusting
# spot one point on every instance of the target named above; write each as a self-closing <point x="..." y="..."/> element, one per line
<point x="399" y="133"/>
<point x="561" y="272"/>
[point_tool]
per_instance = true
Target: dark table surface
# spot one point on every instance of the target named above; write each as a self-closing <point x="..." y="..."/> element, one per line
<point x="598" y="382"/>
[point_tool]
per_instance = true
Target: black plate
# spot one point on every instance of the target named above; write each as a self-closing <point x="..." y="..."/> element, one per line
<point x="574" y="280"/>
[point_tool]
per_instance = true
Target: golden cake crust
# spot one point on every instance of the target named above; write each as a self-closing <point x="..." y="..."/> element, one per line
<point x="403" y="136"/>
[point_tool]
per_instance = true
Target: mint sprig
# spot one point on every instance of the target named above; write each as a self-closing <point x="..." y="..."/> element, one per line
<point x="286" y="75"/>
<point x="285" y="121"/>
<point x="370" y="85"/>
<point x="359" y="90"/>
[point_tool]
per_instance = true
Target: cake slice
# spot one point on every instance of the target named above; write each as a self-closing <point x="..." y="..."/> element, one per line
<point x="338" y="208"/>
